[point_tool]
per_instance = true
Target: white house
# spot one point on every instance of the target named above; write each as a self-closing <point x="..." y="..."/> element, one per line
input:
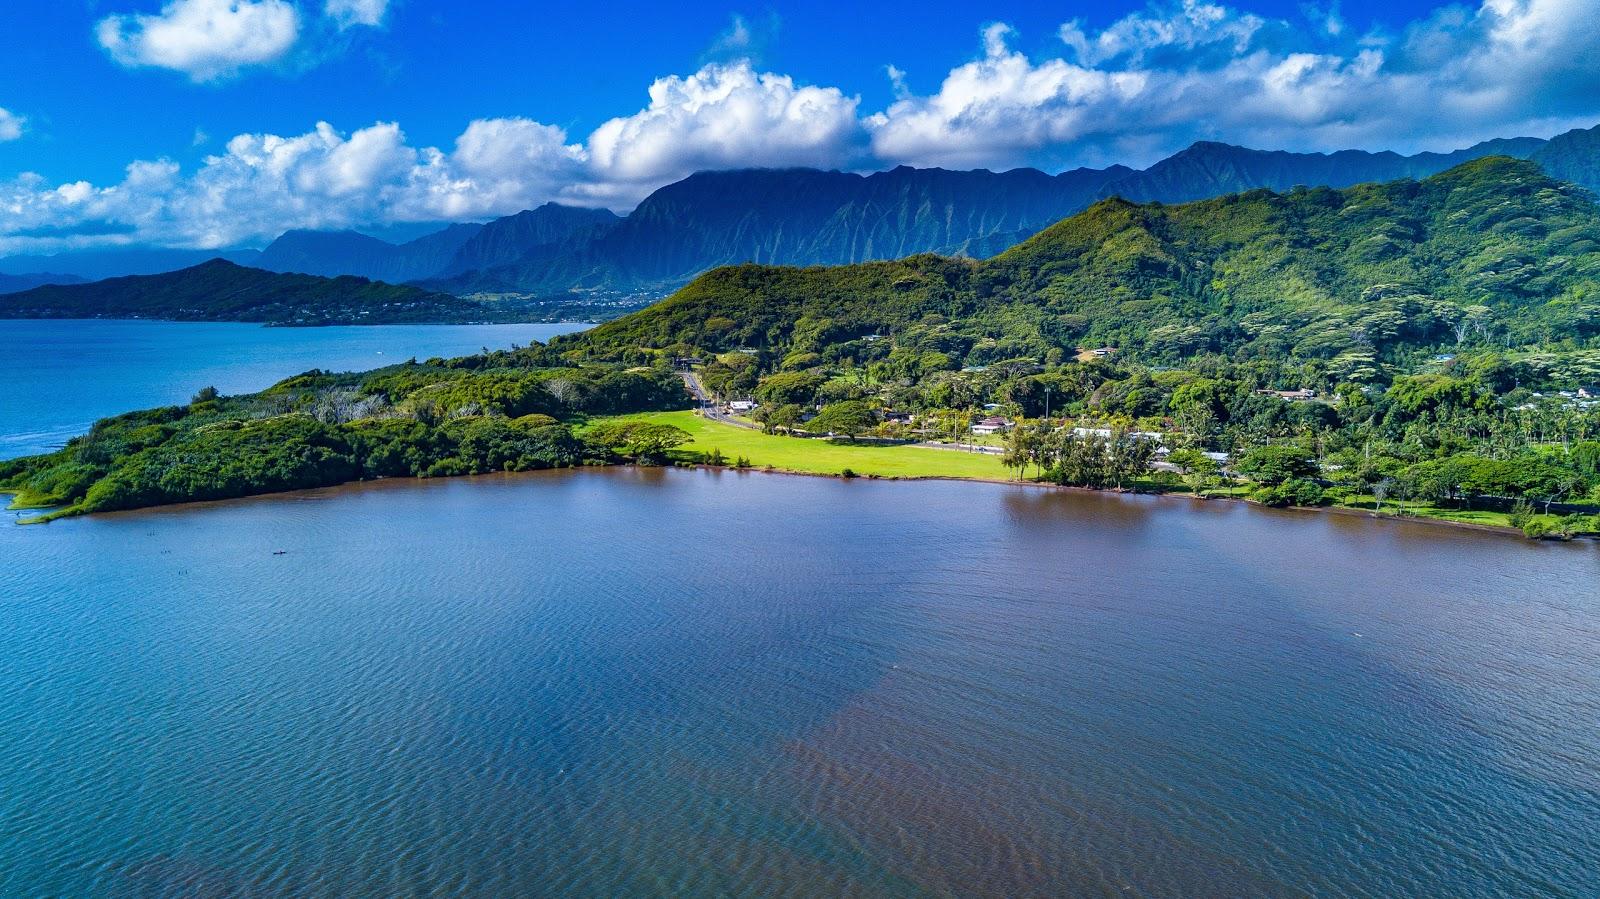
<point x="991" y="425"/>
<point x="742" y="406"/>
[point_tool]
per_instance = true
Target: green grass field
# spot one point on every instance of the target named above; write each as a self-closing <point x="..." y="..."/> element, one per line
<point x="822" y="457"/>
<point x="1443" y="513"/>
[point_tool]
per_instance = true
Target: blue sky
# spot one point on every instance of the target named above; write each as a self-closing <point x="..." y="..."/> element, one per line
<point x="223" y="122"/>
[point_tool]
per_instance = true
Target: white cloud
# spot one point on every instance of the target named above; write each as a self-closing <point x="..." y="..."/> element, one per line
<point x="349" y="13"/>
<point x="744" y="40"/>
<point x="204" y="39"/>
<point x="999" y="107"/>
<point x="10" y="125"/>
<point x="1190" y="28"/>
<point x="723" y="116"/>
<point x="263" y="184"/>
<point x="736" y="42"/>
<point x="1158" y="79"/>
<point x="497" y="166"/>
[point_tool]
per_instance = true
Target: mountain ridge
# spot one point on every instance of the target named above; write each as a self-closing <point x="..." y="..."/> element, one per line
<point x="334" y="253"/>
<point x="834" y="218"/>
<point x="29" y="280"/>
<point x="219" y="290"/>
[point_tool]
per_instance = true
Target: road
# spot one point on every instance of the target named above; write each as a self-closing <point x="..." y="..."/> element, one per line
<point x="708" y="407"/>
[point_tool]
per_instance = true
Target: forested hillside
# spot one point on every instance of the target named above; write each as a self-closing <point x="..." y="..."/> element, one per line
<point x="1492" y="249"/>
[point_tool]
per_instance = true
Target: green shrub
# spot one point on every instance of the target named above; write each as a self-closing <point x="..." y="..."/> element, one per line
<point x="1293" y="492"/>
<point x="1522" y="514"/>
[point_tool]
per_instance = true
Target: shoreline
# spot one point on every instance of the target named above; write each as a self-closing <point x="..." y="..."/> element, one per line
<point x="1346" y="511"/>
<point x="409" y="483"/>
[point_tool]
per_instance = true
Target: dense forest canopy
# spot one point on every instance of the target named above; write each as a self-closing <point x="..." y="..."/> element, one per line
<point x="505" y="411"/>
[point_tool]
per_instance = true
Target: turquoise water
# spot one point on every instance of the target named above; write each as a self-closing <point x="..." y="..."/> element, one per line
<point x="628" y="682"/>
<point x="62" y="375"/>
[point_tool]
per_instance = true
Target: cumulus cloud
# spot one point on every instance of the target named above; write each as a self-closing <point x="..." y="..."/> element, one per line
<point x="263" y="184"/>
<point x="204" y="39"/>
<point x="497" y="166"/>
<point x="1160" y="78"/>
<point x="349" y="13"/>
<point x="10" y="125"/>
<point x="723" y="116"/>
<point x="999" y="107"/>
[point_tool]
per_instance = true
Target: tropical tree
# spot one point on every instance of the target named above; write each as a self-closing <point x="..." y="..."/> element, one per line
<point x="1198" y="469"/>
<point x="1275" y="464"/>
<point x="1022" y="446"/>
<point x="642" y="441"/>
<point x="848" y="418"/>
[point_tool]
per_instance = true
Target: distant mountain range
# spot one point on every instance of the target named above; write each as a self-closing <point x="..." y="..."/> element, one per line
<point x="797" y="217"/>
<point x="806" y="217"/>
<point x="810" y="217"/>
<point x="334" y="253"/>
<point x="17" y="283"/>
<point x="550" y="229"/>
<point x="1207" y="170"/>
<point x="456" y="250"/>
<point x="219" y="290"/>
<point x="94" y="265"/>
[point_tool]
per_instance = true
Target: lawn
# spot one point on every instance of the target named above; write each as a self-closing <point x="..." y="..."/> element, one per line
<point x="1445" y="513"/>
<point x="812" y="456"/>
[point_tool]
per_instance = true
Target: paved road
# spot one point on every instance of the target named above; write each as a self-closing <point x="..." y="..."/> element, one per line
<point x="708" y="407"/>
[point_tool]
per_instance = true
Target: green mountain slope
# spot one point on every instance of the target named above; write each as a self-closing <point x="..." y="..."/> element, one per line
<point x="1208" y="169"/>
<point x="1491" y="248"/>
<point x="1573" y="156"/>
<point x="507" y="240"/>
